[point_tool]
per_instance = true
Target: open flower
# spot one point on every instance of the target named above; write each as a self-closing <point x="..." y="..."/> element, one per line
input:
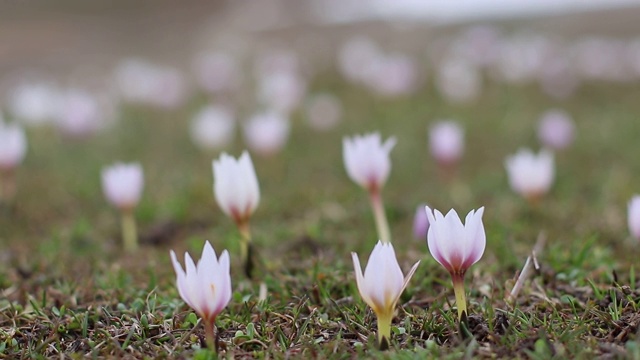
<point x="367" y="161"/>
<point x="237" y="192"/>
<point x="122" y="185"/>
<point x="456" y="246"/>
<point x="381" y="285"/>
<point x="205" y="287"/>
<point x="530" y="175"/>
<point x="633" y="216"/>
<point x="236" y="186"/>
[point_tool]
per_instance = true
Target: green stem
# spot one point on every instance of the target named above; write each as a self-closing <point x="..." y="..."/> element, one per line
<point x="382" y="225"/>
<point x="384" y="331"/>
<point x="129" y="231"/>
<point x="210" y="335"/>
<point x="458" y="289"/>
<point x="246" y="253"/>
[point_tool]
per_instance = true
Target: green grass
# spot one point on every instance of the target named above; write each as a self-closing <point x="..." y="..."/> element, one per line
<point x="68" y="289"/>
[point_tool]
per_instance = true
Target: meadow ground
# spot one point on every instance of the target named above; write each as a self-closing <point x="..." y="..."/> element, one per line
<point x="67" y="288"/>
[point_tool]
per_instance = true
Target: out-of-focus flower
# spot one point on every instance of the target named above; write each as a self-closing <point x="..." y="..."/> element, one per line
<point x="34" y="103"/>
<point x="393" y="75"/>
<point x="367" y="162"/>
<point x="237" y="193"/>
<point x="282" y="91"/>
<point x="146" y="83"/>
<point x="420" y="223"/>
<point x="456" y="246"/>
<point x="446" y="141"/>
<point x="205" y="287"/>
<point x="81" y="114"/>
<point x="217" y="72"/>
<point x="530" y="175"/>
<point x="266" y="133"/>
<point x="13" y="146"/>
<point x="212" y="128"/>
<point x="366" y="159"/>
<point x="458" y="80"/>
<point x="633" y="216"/>
<point x="356" y="58"/>
<point x="122" y="185"/>
<point x="323" y="112"/>
<point x="236" y="186"/>
<point x="381" y="285"/>
<point x="556" y="129"/>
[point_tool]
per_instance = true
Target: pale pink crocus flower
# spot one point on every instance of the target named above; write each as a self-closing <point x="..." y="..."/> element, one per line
<point x="13" y="148"/>
<point x="381" y="286"/>
<point x="556" y="129"/>
<point x="446" y="143"/>
<point x="633" y="216"/>
<point x="366" y="159"/>
<point x="456" y="246"/>
<point x="212" y="128"/>
<point x="205" y="286"/>
<point x="530" y="175"/>
<point x="122" y="185"/>
<point x="266" y="133"/>
<point x="237" y="193"/>
<point x="420" y="223"/>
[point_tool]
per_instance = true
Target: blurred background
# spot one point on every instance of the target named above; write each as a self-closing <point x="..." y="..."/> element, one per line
<point x="165" y="83"/>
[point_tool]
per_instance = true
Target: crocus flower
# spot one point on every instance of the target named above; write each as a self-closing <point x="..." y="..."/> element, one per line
<point x="556" y="129"/>
<point x="420" y="223"/>
<point x="530" y="175"/>
<point x="381" y="286"/>
<point x="456" y="246"/>
<point x="212" y="128"/>
<point x="237" y="193"/>
<point x="122" y="185"/>
<point x="367" y="162"/>
<point x="446" y="141"/>
<point x="205" y="287"/>
<point x="633" y="216"/>
<point x="266" y="133"/>
<point x="13" y="147"/>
